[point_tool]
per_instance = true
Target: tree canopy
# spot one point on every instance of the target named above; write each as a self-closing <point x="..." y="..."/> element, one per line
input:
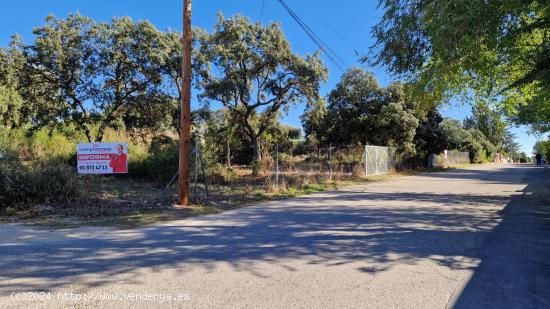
<point x="360" y="111"/>
<point x="255" y="74"/>
<point x="498" y="49"/>
<point x="487" y="120"/>
<point x="77" y="74"/>
<point x="95" y="75"/>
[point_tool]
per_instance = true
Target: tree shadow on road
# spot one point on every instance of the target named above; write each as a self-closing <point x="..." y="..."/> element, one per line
<point x="515" y="256"/>
<point x="371" y="232"/>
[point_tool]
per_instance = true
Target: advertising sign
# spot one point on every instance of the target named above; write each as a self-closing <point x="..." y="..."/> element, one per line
<point x="102" y="158"/>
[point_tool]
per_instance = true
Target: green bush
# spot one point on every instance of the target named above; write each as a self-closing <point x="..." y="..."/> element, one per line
<point x="138" y="160"/>
<point x="219" y="173"/>
<point x="162" y="163"/>
<point x="15" y="141"/>
<point x="476" y="152"/>
<point x="54" y="182"/>
<point x="26" y="184"/>
<point x="9" y="170"/>
<point x="48" y="145"/>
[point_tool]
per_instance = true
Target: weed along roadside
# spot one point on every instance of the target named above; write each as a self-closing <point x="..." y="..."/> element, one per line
<point x="125" y="202"/>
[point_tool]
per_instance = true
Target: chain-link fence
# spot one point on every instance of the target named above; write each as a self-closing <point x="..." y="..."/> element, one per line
<point x="449" y="158"/>
<point x="378" y="160"/>
<point x="316" y="166"/>
<point x="288" y="169"/>
<point x="291" y="170"/>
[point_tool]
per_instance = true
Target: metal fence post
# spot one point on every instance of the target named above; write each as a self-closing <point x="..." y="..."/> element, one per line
<point x="376" y="158"/>
<point x="203" y="170"/>
<point x="366" y="161"/>
<point x="196" y="165"/>
<point x="387" y="160"/>
<point x="277" y="165"/>
<point x="330" y="162"/>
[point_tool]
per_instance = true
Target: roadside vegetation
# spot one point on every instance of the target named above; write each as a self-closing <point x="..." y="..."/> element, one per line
<point x="81" y="81"/>
<point x="543" y="148"/>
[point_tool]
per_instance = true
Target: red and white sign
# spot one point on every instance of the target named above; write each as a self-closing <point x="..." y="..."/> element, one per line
<point x="102" y="158"/>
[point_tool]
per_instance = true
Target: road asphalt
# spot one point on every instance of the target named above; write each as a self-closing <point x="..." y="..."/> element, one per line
<point x="477" y="237"/>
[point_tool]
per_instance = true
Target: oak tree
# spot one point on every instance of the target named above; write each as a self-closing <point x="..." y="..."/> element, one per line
<point x="255" y="74"/>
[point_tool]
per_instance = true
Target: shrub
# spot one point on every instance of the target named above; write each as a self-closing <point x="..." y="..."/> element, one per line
<point x="523" y="160"/>
<point x="48" y="145"/>
<point x="476" y="152"/>
<point x="15" y="141"/>
<point x="163" y="160"/>
<point x="266" y="164"/>
<point x="22" y="185"/>
<point x="221" y="174"/>
<point x="10" y="192"/>
<point x="53" y="182"/>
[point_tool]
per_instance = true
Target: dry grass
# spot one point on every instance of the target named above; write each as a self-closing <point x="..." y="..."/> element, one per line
<point x="124" y="201"/>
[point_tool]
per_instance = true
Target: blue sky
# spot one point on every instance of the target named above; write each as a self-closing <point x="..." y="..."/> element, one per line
<point x="344" y="25"/>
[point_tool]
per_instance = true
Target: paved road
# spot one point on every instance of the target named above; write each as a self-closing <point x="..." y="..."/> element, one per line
<point x="471" y="238"/>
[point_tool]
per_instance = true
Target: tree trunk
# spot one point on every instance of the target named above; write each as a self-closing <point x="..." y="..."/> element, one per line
<point x="228" y="154"/>
<point x="256" y="165"/>
<point x="88" y="134"/>
<point x="100" y="133"/>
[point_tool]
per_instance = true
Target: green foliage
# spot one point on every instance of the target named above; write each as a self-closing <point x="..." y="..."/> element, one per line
<point x="52" y="144"/>
<point x="15" y="141"/>
<point x="524" y="108"/>
<point x="478" y="136"/>
<point x="13" y="112"/>
<point x="499" y="49"/>
<point x="80" y="80"/>
<point x="360" y="111"/>
<point x="43" y="144"/>
<point x="221" y="137"/>
<point x="11" y="63"/>
<point x="255" y="74"/>
<point x="104" y="75"/>
<point x="523" y="158"/>
<point x="510" y="146"/>
<point x="170" y="51"/>
<point x="155" y="158"/>
<point x="10" y="107"/>
<point x="488" y="121"/>
<point x="470" y="140"/>
<point x="286" y="137"/>
<point x="457" y="136"/>
<point x="291" y="133"/>
<point x="543" y="148"/>
<point x="163" y="159"/>
<point x="26" y="184"/>
<point x="429" y="137"/>
<point x="312" y="120"/>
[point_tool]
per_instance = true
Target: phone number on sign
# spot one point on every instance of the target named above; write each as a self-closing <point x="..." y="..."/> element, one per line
<point x="93" y="168"/>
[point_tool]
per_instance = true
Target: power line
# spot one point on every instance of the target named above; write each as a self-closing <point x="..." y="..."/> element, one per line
<point x="329" y="52"/>
<point x="345" y="39"/>
<point x="262" y="12"/>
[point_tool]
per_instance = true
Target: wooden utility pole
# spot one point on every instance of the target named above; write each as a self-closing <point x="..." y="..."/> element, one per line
<point x="185" y="117"/>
